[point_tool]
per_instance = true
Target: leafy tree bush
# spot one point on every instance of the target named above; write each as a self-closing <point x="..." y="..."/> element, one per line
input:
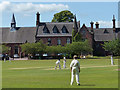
<point x="112" y="46"/>
<point x="63" y="16"/>
<point x="4" y="49"/>
<point x="33" y="48"/>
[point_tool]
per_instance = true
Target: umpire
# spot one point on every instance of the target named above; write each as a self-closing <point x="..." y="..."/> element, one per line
<point x="75" y="70"/>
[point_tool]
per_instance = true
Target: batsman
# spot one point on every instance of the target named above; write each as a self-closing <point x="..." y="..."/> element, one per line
<point x="75" y="70"/>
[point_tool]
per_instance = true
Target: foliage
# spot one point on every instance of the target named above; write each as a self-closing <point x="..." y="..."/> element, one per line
<point x="78" y="48"/>
<point x="33" y="48"/>
<point x="54" y="49"/>
<point x="112" y="46"/>
<point x="4" y="49"/>
<point x="77" y="37"/>
<point x="73" y="34"/>
<point x="63" y="16"/>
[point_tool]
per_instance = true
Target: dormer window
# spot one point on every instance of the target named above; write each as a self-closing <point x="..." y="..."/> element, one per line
<point x="64" y="30"/>
<point x="45" y="30"/>
<point x="106" y="31"/>
<point x="55" y="30"/>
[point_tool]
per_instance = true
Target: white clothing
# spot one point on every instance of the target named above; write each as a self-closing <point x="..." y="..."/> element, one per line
<point x="4" y="59"/>
<point x="58" y="63"/>
<point x="111" y="60"/>
<point x="75" y="71"/>
<point x="64" y="63"/>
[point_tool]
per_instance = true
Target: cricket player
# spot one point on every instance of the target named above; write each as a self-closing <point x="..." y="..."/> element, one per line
<point x="75" y="70"/>
<point x="58" y="63"/>
<point x="112" y="63"/>
<point x="64" y="62"/>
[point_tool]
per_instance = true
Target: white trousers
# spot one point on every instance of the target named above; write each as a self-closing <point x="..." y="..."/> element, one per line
<point x="75" y="72"/>
<point x="111" y="60"/>
<point x="57" y="65"/>
<point x="64" y="65"/>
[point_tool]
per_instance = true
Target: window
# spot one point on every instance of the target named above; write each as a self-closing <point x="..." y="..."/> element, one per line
<point x="68" y="40"/>
<point x="64" y="30"/>
<point x="45" y="30"/>
<point x="16" y="49"/>
<point x="49" y="42"/>
<point x="106" y="31"/>
<point x="83" y="32"/>
<point x="58" y="42"/>
<point x="55" y="30"/>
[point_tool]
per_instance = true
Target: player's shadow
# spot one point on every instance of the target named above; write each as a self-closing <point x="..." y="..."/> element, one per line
<point x="87" y="85"/>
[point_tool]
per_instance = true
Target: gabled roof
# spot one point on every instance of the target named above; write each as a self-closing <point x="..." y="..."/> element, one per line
<point x="99" y="34"/>
<point x="50" y="26"/>
<point x="21" y="35"/>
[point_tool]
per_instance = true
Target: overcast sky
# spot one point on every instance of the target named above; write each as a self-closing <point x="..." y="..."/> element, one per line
<point x="25" y="12"/>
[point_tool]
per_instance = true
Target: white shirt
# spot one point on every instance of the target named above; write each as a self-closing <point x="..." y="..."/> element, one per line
<point x="57" y="62"/>
<point x="75" y="63"/>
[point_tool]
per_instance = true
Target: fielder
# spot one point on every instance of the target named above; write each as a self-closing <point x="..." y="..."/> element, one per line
<point x="75" y="70"/>
<point x="112" y="63"/>
<point x="58" y="63"/>
<point x="64" y="62"/>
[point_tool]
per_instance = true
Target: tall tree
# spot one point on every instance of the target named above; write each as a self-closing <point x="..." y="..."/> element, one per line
<point x="63" y="16"/>
<point x="112" y="46"/>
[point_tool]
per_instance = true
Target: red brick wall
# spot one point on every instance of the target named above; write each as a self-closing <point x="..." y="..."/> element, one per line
<point x="12" y="45"/>
<point x="54" y="40"/>
<point x="88" y="35"/>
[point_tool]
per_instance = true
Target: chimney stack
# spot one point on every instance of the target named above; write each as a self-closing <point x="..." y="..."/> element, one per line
<point x="97" y="25"/>
<point x="113" y="21"/>
<point x="91" y="24"/>
<point x="38" y="19"/>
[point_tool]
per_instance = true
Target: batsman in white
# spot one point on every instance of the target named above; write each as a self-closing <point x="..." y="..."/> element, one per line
<point x="75" y="70"/>
<point x="64" y="62"/>
<point x="58" y="63"/>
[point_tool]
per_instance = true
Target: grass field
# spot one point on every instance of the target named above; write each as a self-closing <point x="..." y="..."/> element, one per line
<point x="95" y="73"/>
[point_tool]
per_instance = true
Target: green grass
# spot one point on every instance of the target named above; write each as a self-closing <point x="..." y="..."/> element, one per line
<point x="36" y="74"/>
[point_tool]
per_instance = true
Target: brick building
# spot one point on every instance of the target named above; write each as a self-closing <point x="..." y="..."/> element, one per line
<point x="59" y="33"/>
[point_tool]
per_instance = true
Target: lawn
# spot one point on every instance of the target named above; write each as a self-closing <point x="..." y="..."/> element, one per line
<point x="95" y="73"/>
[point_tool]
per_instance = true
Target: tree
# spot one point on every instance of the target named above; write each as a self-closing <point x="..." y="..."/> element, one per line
<point x="33" y="48"/>
<point x="77" y="37"/>
<point x="112" y="46"/>
<point x="63" y="16"/>
<point x="54" y="49"/>
<point x="4" y="49"/>
<point x="78" y="48"/>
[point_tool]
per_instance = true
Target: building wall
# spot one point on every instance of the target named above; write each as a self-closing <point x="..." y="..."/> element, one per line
<point x="12" y="47"/>
<point x="98" y="49"/>
<point x="87" y="35"/>
<point x="54" y="40"/>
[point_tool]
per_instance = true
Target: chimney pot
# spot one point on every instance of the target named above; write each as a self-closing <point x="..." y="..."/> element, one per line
<point x="113" y="21"/>
<point x="38" y="19"/>
<point x="97" y="25"/>
<point x="91" y="24"/>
